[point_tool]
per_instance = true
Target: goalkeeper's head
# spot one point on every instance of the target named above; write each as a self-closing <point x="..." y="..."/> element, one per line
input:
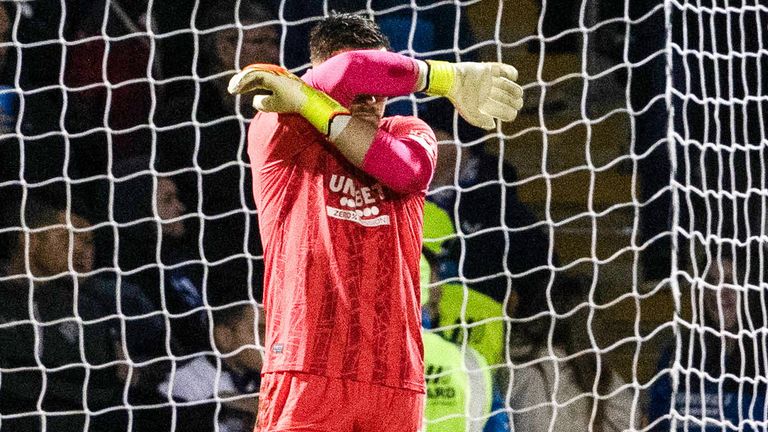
<point x="342" y="32"/>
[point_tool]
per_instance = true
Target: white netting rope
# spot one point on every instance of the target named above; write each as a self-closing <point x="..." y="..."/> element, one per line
<point x="724" y="69"/>
<point x="704" y="210"/>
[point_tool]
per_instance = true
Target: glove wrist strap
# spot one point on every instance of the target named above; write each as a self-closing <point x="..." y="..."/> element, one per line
<point x="441" y="76"/>
<point x="320" y="109"/>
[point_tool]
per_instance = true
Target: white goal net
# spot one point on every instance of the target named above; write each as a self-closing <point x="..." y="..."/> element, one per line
<point x="597" y="264"/>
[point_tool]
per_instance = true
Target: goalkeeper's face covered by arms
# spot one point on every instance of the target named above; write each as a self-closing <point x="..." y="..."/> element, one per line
<point x="368" y="106"/>
<point x="365" y="105"/>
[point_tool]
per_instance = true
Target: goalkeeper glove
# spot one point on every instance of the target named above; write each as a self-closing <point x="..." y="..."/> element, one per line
<point x="289" y="94"/>
<point x="479" y="91"/>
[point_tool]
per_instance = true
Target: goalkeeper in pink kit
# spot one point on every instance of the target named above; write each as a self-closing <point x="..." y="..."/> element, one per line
<point x="340" y="194"/>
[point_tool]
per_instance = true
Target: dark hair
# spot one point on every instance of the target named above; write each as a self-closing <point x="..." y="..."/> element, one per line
<point x="344" y="31"/>
<point x="568" y="292"/>
<point x="219" y="14"/>
<point x="38" y="213"/>
<point x="704" y="351"/>
<point x="224" y="13"/>
<point x="738" y="255"/>
<point x="229" y="315"/>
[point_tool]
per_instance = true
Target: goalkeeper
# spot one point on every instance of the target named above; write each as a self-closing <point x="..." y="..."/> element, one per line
<point x="340" y="195"/>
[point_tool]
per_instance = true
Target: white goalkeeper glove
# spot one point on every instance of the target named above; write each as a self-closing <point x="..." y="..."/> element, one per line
<point x="480" y="92"/>
<point x="289" y="94"/>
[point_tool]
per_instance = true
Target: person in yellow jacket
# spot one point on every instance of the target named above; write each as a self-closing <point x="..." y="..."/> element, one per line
<point x="459" y="381"/>
<point x="458" y="309"/>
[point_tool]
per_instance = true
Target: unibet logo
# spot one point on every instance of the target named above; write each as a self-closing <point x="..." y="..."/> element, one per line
<point x="355" y="196"/>
<point x="357" y="203"/>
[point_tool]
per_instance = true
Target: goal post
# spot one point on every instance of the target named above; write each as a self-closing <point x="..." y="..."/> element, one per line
<point x="603" y="255"/>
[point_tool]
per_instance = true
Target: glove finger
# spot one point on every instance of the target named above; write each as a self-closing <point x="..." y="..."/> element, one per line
<point x="505" y="70"/>
<point x="503" y="97"/>
<point x="508" y="86"/>
<point x="273" y="82"/>
<point x="247" y="81"/>
<point x="250" y="80"/>
<point x="479" y="119"/>
<point x="515" y="102"/>
<point x="238" y="81"/>
<point x="268" y="67"/>
<point x="499" y="110"/>
<point x="264" y="103"/>
<point x="518" y="104"/>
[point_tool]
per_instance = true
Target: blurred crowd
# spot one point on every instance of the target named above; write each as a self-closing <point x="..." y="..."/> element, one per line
<point x="130" y="273"/>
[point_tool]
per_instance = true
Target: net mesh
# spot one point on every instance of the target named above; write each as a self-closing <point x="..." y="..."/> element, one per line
<point x="605" y="270"/>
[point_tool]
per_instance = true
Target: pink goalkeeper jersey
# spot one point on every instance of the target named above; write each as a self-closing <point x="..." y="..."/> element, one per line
<point x="342" y="255"/>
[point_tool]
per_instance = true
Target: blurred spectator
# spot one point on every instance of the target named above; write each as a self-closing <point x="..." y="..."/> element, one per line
<point x="224" y="51"/>
<point x="457" y="306"/>
<point x="137" y="327"/>
<point x="721" y="375"/>
<point x="35" y="57"/>
<point x="109" y="80"/>
<point x="460" y="393"/>
<point x="61" y="141"/>
<point x="158" y="255"/>
<point x="232" y="379"/>
<point x="8" y="95"/>
<point x="233" y="34"/>
<point x="544" y="380"/>
<point x="473" y="329"/>
<point x="214" y="145"/>
<point x="58" y="351"/>
<point x="486" y="236"/>
<point x="9" y="148"/>
<point x="240" y="346"/>
<point x="177" y="47"/>
<point x="718" y="118"/>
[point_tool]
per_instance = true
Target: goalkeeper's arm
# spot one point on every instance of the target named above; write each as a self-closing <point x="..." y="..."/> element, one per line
<point x="403" y="163"/>
<point x="479" y="91"/>
<point x="367" y="72"/>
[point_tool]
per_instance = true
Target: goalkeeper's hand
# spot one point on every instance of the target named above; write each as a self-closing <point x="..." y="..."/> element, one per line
<point x="481" y="92"/>
<point x="289" y="94"/>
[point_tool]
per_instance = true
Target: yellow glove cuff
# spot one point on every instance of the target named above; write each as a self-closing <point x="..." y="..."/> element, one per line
<point x="441" y="75"/>
<point x="320" y="109"/>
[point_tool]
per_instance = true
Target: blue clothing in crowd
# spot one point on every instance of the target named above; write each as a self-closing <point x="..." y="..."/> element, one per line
<point x="705" y="403"/>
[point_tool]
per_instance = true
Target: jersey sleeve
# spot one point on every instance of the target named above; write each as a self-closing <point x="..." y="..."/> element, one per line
<point x="416" y="134"/>
<point x="403" y="155"/>
<point x="371" y="72"/>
